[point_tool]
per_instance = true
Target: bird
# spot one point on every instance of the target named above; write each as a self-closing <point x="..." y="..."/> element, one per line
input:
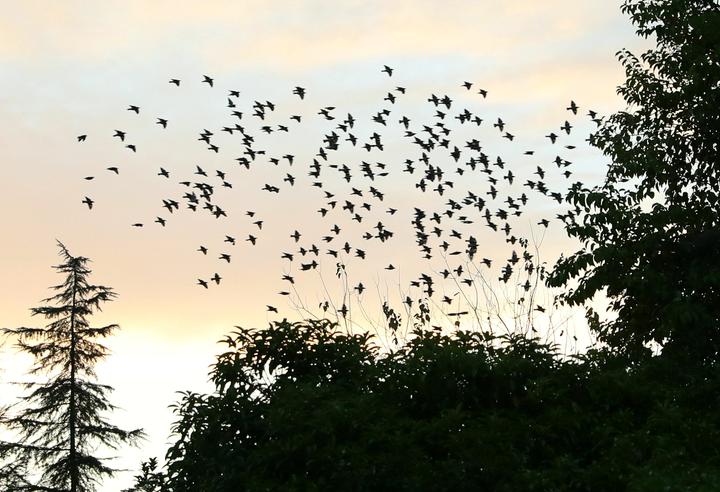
<point x="573" y="107"/>
<point x="300" y="92"/>
<point x="203" y="250"/>
<point x="175" y="81"/>
<point x="216" y="278"/>
<point x="81" y="138"/>
<point x="89" y="202"/>
<point x="207" y="80"/>
<point x="387" y="70"/>
<point x="309" y="266"/>
<point x="134" y="109"/>
<point x="162" y="122"/>
<point x="202" y="283"/>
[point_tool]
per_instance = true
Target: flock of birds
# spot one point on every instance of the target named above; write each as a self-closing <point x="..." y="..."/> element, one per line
<point x="435" y="163"/>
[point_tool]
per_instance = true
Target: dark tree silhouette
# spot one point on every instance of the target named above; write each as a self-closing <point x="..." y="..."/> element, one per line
<point x="651" y="233"/>
<point x="60" y="422"/>
<point x="150" y="479"/>
<point x="303" y="406"/>
<point x="12" y="472"/>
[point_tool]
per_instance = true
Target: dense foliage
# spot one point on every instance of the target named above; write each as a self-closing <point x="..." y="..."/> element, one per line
<point x="60" y="422"/>
<point x="651" y="233"/>
<point x="302" y="406"/>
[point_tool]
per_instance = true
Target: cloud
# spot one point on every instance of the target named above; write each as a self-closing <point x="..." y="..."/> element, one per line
<point x="293" y="34"/>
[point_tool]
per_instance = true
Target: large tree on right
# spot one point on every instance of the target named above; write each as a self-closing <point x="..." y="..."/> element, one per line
<point x="651" y="232"/>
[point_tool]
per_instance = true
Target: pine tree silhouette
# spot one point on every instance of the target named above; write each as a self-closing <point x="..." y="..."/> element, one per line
<point x="60" y="422"/>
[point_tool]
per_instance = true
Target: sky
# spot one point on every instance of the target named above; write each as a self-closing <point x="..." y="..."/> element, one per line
<point x="72" y="68"/>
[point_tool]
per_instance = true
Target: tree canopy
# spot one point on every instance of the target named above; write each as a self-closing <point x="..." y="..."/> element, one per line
<point x="651" y="232"/>
<point x="303" y="406"/>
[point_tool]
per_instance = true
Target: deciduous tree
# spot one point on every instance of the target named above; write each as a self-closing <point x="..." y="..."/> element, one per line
<point x="651" y="232"/>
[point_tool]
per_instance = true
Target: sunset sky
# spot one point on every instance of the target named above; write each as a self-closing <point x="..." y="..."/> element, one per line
<point x="71" y="68"/>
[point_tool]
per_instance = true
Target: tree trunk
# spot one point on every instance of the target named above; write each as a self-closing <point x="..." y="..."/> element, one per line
<point x="72" y="423"/>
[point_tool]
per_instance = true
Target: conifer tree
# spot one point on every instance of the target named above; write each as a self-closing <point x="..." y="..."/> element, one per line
<point x="60" y="423"/>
